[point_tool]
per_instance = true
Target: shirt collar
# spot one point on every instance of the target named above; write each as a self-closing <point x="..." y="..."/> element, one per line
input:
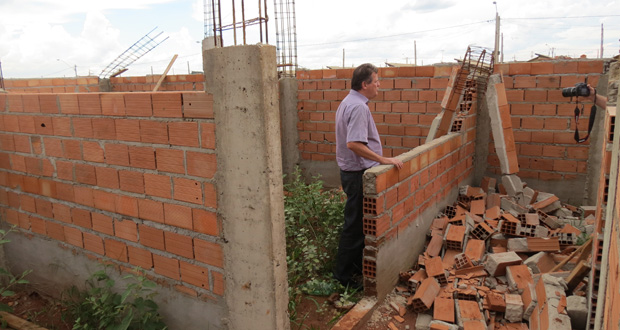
<point x="359" y="95"/>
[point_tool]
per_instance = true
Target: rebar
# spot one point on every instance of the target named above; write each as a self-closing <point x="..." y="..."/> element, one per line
<point x="286" y="37"/>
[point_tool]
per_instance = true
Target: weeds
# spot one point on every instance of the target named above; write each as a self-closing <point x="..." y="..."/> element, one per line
<point x="313" y="218"/>
<point x="100" y="308"/>
<point x="8" y="280"/>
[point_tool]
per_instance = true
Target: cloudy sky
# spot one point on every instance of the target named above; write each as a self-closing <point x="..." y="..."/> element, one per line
<point x="53" y="38"/>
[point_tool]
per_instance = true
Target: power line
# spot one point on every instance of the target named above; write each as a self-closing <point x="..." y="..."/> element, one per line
<point x="560" y="17"/>
<point x="394" y="35"/>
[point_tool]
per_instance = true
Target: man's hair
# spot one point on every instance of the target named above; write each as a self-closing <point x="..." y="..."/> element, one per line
<point x="362" y="73"/>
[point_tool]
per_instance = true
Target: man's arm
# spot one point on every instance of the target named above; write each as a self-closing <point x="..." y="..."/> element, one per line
<point x="599" y="100"/>
<point x="362" y="150"/>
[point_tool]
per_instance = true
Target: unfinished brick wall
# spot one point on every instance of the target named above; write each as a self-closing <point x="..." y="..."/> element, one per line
<point x="409" y="99"/>
<point x="396" y="203"/>
<point x="542" y="119"/>
<point x="126" y="178"/>
<point x="188" y="82"/>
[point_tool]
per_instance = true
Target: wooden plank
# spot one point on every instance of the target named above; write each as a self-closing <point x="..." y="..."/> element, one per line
<point x="587" y="245"/>
<point x="163" y="76"/>
<point x="577" y="275"/>
<point x="18" y="323"/>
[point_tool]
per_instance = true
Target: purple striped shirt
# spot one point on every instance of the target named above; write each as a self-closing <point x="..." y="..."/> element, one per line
<point x="354" y="123"/>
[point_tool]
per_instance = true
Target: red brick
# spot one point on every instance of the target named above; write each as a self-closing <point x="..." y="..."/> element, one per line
<point x="93" y="243"/>
<point x="142" y="157"/>
<point x="126" y="205"/>
<point x="218" y="283"/>
<point x="117" y="154"/>
<point x="107" y="177"/>
<point x="590" y="66"/>
<point x="556" y="123"/>
<point x="112" y="104"/>
<point x="126" y="229"/>
<point x="68" y="103"/>
<point x="167" y="105"/>
<point x="157" y="185"/>
<point x="131" y="181"/>
<point x="151" y="210"/>
<point x="85" y="173"/>
<point x="520" y="69"/>
<point x="82" y="127"/>
<point x="92" y="152"/>
<point x="73" y="236"/>
<point x="151" y="237"/>
<point x="153" y="132"/>
<point x="565" y="67"/>
<point x="514" y="95"/>
<point x="542" y="68"/>
<point x="210" y="195"/>
<point x="81" y="217"/>
<point x="178" y="216"/>
<point x="127" y="129"/>
<point x="194" y="275"/>
<point x="104" y="128"/>
<point x="140" y="257"/>
<point x="170" y="160"/>
<point x="201" y="164"/>
<point x="61" y="212"/>
<point x="208" y="252"/>
<point x="103" y="200"/>
<point x="179" y="244"/>
<point x="116" y="250"/>
<point x="535" y="96"/>
<point x="187" y="190"/>
<point x="44" y="125"/>
<point x="89" y="104"/>
<point x="205" y="222"/>
<point x="138" y="104"/>
<point x="55" y="230"/>
<point x="62" y="126"/>
<point x="166" y="266"/>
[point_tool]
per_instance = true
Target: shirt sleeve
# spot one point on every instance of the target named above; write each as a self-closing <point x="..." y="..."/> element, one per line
<point x="357" y="127"/>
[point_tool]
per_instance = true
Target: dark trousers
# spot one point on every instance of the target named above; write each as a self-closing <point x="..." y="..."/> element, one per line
<point x="351" y="246"/>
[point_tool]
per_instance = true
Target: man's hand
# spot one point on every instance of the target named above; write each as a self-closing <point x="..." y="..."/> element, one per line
<point x="362" y="150"/>
<point x="392" y="161"/>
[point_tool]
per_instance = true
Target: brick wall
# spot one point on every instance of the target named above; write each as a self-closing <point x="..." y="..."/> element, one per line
<point x="189" y="82"/>
<point x="126" y="178"/>
<point x="408" y="101"/>
<point x="542" y="119"/>
<point x="396" y="202"/>
<point x="410" y="98"/>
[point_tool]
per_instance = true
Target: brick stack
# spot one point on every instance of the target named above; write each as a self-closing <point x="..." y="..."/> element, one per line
<point x="491" y="268"/>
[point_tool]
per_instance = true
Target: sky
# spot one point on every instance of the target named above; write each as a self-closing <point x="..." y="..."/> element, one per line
<point x="59" y="38"/>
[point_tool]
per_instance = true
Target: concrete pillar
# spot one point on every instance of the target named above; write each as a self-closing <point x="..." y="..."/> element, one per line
<point x="244" y="84"/>
<point x="289" y="119"/>
<point x="597" y="142"/>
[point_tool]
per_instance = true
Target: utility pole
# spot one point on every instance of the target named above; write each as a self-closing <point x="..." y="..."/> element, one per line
<point x="502" y="52"/>
<point x="415" y="54"/>
<point x="496" y="50"/>
<point x="343" y="57"/>
<point x="601" y="40"/>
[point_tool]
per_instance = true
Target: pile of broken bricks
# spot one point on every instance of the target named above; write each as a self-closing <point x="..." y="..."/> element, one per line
<point x="501" y="260"/>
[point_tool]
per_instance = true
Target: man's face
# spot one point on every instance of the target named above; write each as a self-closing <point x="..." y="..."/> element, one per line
<point x="371" y="90"/>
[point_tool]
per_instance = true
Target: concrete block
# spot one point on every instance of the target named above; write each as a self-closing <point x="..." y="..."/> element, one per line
<point x="541" y="231"/>
<point x="497" y="262"/>
<point x="552" y="207"/>
<point x="442" y="325"/>
<point x="529" y="195"/>
<point x="540" y="262"/>
<point x="423" y="322"/>
<point x="434" y="126"/>
<point x="557" y="320"/>
<point x="530" y="300"/>
<point x="563" y="212"/>
<point x="513" y="185"/>
<point x="577" y="308"/>
<point x="517" y="244"/>
<point x="514" y="308"/>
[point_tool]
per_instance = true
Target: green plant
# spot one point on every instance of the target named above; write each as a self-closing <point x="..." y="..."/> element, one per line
<point x="8" y="280"/>
<point x="313" y="219"/>
<point x="99" y="307"/>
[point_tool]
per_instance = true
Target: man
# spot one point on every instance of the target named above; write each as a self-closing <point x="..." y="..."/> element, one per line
<point x="358" y="147"/>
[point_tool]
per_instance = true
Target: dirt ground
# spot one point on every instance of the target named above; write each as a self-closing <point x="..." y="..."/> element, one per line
<point x="314" y="313"/>
<point x="42" y="311"/>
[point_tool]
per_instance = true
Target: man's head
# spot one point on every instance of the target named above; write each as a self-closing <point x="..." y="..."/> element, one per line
<point x="365" y="80"/>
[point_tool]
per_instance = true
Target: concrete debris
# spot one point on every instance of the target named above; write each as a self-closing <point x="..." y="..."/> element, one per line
<point x="489" y="258"/>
